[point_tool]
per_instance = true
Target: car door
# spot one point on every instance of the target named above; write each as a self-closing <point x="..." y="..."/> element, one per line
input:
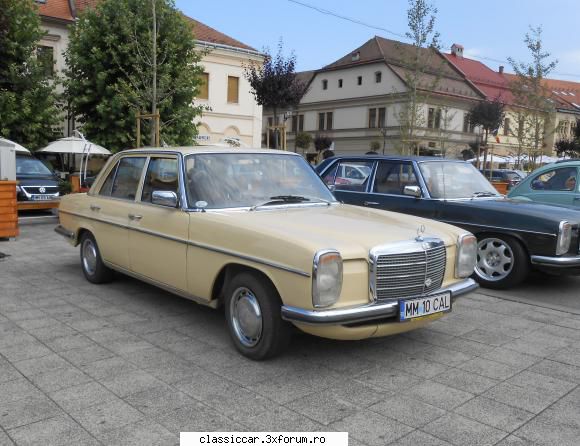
<point x="158" y="234"/>
<point x="349" y="180"/>
<point x="388" y="186"/>
<point x="555" y="186"/>
<point x="110" y="207"/>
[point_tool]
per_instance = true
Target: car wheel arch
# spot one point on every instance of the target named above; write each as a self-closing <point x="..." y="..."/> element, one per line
<point x="498" y="234"/>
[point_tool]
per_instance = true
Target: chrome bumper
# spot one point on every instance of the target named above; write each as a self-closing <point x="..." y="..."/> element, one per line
<point x="64" y="232"/>
<point x="361" y="313"/>
<point x="556" y="262"/>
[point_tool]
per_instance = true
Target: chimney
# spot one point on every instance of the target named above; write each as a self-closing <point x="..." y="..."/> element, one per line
<point x="501" y="69"/>
<point x="457" y="50"/>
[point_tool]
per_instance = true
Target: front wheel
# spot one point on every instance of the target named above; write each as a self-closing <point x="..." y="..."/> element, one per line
<point x="253" y="311"/>
<point x="502" y="262"/>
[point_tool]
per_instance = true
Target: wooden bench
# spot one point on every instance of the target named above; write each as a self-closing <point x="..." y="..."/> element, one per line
<point x="8" y="210"/>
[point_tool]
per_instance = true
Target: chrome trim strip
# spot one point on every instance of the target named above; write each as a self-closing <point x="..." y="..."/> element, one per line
<point x="61" y="230"/>
<point x="199" y="245"/>
<point x="558" y="262"/>
<point x="457" y="223"/>
<point x="181" y="293"/>
<point x="367" y="312"/>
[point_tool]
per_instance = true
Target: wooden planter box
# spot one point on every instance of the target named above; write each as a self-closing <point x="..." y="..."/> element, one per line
<point x="8" y="209"/>
<point x="501" y="187"/>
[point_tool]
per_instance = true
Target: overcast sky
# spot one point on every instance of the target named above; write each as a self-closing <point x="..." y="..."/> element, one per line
<point x="491" y="29"/>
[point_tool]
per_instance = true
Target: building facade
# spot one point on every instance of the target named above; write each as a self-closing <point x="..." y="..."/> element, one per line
<point x="232" y="112"/>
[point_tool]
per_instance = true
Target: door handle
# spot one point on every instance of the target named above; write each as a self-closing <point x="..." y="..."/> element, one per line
<point x="95" y="208"/>
<point x="135" y="217"/>
<point x="370" y="203"/>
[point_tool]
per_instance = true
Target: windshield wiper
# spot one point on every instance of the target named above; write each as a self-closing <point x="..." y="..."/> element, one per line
<point x="483" y="194"/>
<point x="288" y="199"/>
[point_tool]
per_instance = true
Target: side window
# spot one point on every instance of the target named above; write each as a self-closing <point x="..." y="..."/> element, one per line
<point x="108" y="184"/>
<point x="563" y="179"/>
<point x="329" y="176"/>
<point x="392" y="177"/>
<point x="161" y="175"/>
<point x="127" y="178"/>
<point x="350" y="175"/>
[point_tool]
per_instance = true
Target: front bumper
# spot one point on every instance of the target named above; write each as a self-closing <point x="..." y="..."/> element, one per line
<point x="361" y="313"/>
<point x="556" y="262"/>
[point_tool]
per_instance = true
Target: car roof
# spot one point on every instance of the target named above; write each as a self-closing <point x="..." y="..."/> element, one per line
<point x="395" y="157"/>
<point x="199" y="149"/>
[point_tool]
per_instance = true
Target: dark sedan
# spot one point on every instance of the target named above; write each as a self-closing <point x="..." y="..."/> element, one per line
<point x="513" y="236"/>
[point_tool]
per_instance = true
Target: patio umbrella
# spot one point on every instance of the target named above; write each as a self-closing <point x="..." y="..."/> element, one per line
<point x="496" y="159"/>
<point x="74" y="145"/>
<point x="18" y="147"/>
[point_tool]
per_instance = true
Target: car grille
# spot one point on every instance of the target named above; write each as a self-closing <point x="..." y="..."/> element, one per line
<point x="35" y="190"/>
<point x="409" y="274"/>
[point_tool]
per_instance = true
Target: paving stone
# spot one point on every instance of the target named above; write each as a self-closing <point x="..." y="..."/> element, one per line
<point x="142" y="433"/>
<point x="407" y="410"/>
<point x="35" y="366"/>
<point x="511" y="358"/>
<point x="371" y="428"/>
<point x="488" y="337"/>
<point x="439" y="395"/>
<point x="462" y="431"/>
<point x="197" y="417"/>
<point x="558" y="370"/>
<point x="16" y="390"/>
<point x="512" y="440"/>
<point x="283" y="420"/>
<point x="60" y="430"/>
<point x="7" y="372"/>
<point x="489" y="369"/>
<point x="282" y="389"/>
<point x="60" y="379"/>
<point x="83" y="395"/>
<point x="86" y="355"/>
<point x="28" y="350"/>
<point x="390" y="380"/>
<point x="5" y="439"/>
<point x="531" y="380"/>
<point x="27" y="410"/>
<point x="567" y="355"/>
<point x="548" y="430"/>
<point x="108" y="367"/>
<point x="532" y="400"/>
<point x="417" y="437"/>
<point x="106" y="416"/>
<point x="494" y="413"/>
<point x="467" y="381"/>
<point x="131" y="382"/>
<point x="158" y="400"/>
<point x="69" y="342"/>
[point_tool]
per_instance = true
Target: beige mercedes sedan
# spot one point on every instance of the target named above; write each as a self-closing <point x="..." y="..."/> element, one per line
<point x="259" y="232"/>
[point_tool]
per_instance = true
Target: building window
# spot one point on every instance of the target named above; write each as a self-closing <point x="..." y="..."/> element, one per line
<point x="359" y="80"/>
<point x="329" y="117"/>
<point x="321" y="121"/>
<point x="298" y="123"/>
<point x="434" y="118"/>
<point x="466" y="123"/>
<point x="325" y="84"/>
<point x="382" y="117"/>
<point x="233" y="89"/>
<point x="270" y="121"/>
<point x="378" y="77"/>
<point x="340" y="83"/>
<point x="204" y="87"/>
<point x="506" y="127"/>
<point x="372" y="118"/>
<point x="45" y="55"/>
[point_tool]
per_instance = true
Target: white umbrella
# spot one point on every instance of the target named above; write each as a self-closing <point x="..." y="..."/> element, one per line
<point x="74" y="145"/>
<point x="496" y="159"/>
<point x="18" y="147"/>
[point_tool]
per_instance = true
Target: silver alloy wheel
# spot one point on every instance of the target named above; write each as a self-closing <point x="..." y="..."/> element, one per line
<point x="495" y="259"/>
<point x="89" y="256"/>
<point x="246" y="317"/>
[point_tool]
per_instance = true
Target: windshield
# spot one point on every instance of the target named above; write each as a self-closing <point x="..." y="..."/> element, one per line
<point x="229" y="180"/>
<point x="455" y="180"/>
<point x="27" y="165"/>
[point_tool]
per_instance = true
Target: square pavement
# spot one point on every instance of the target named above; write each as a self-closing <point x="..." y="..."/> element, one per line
<point x="126" y="363"/>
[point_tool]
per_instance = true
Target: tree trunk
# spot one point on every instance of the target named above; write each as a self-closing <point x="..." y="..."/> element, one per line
<point x="154" y="77"/>
<point x="275" y="128"/>
<point x="485" y="149"/>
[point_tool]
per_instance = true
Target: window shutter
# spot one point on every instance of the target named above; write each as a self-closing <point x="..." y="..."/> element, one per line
<point x="233" y="89"/>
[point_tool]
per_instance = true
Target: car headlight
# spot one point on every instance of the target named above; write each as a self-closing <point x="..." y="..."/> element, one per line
<point x="326" y="278"/>
<point x="466" y="255"/>
<point x="564" y="238"/>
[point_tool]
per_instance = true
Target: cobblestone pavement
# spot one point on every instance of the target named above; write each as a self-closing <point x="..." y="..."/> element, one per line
<point x="128" y="364"/>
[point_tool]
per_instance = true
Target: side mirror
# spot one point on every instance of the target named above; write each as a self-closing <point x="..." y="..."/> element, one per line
<point x="164" y="198"/>
<point x="412" y="191"/>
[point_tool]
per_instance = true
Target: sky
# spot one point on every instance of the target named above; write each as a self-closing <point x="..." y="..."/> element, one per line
<point x="492" y="29"/>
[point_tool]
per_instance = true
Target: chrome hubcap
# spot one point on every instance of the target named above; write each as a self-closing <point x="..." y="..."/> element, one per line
<point x="89" y="257"/>
<point x="495" y="259"/>
<point x="246" y="317"/>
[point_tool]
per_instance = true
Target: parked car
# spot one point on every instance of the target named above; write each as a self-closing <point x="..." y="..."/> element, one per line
<point x="511" y="177"/>
<point x="36" y="182"/>
<point x="273" y="245"/>
<point x="554" y="184"/>
<point x="351" y="174"/>
<point x="513" y="236"/>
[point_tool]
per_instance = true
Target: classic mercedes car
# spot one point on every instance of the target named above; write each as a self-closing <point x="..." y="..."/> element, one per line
<point x="258" y="232"/>
<point x="513" y="236"/>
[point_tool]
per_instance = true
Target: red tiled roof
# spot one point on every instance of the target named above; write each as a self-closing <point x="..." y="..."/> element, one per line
<point x="81" y="5"/>
<point x="565" y="94"/>
<point x="206" y="33"/>
<point x="58" y="9"/>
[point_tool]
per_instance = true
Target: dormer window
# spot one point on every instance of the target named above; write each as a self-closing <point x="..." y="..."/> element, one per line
<point x="378" y="77"/>
<point x="340" y="83"/>
<point x="355" y="56"/>
<point x="325" y="84"/>
<point x="359" y="80"/>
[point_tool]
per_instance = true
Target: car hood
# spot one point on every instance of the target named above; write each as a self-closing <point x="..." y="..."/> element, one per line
<point x="352" y="230"/>
<point x="40" y="180"/>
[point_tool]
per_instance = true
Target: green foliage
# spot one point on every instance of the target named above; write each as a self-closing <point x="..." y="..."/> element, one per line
<point x="487" y="114"/>
<point x="322" y="142"/>
<point x="28" y="111"/>
<point x="111" y="72"/>
<point x="375" y="146"/>
<point x="303" y="140"/>
<point x="571" y="146"/>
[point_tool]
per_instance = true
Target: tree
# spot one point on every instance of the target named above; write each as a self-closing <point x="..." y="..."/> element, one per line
<point x="322" y="142"/>
<point x="419" y="76"/>
<point x="536" y="110"/>
<point x="274" y="83"/>
<point x="127" y="57"/>
<point x="303" y="140"/>
<point x="570" y="146"/>
<point x="489" y="115"/>
<point x="28" y="110"/>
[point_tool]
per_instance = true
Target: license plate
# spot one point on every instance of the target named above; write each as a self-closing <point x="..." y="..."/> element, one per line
<point x="41" y="197"/>
<point x="423" y="306"/>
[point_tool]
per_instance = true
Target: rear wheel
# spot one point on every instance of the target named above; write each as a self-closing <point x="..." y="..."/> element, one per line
<point x="253" y="312"/>
<point x="502" y="262"/>
<point x="92" y="264"/>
